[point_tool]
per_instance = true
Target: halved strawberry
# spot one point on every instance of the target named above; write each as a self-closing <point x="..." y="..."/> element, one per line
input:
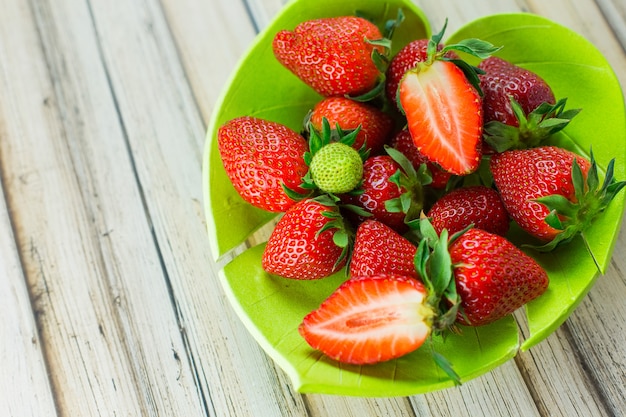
<point x="440" y="99"/>
<point x="370" y="320"/>
<point x="444" y="116"/>
<point x="403" y="142"/>
<point x="407" y="58"/>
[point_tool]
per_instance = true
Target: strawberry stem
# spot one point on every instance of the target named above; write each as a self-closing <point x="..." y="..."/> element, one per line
<point x="472" y="46"/>
<point x="407" y="177"/>
<point x="445" y="365"/>
<point x="532" y="129"/>
<point x="572" y="218"/>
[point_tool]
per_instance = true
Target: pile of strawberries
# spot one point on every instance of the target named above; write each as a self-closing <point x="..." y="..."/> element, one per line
<point x="408" y="172"/>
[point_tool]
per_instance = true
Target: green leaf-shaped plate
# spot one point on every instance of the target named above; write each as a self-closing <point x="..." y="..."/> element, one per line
<point x="272" y="307"/>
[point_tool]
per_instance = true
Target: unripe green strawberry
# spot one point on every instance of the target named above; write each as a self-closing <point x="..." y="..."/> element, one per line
<point x="336" y="168"/>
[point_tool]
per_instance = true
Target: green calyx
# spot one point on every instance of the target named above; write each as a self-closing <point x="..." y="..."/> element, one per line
<point x="411" y="202"/>
<point x="544" y="121"/>
<point x="592" y="198"/>
<point x="343" y="236"/>
<point x="472" y="46"/>
<point x="434" y="266"/>
<point x="381" y="60"/>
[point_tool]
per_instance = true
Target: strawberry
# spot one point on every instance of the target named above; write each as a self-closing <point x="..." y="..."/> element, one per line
<point x="552" y="193"/>
<point x="308" y="242"/>
<point x="262" y="157"/>
<point x="443" y="106"/>
<point x="407" y="58"/>
<point x="370" y="319"/>
<point x="493" y="277"/>
<point x="331" y="55"/>
<point x="478" y="205"/>
<point x="403" y="142"/>
<point x="519" y="106"/>
<point x="379" y="249"/>
<point x="376" y="125"/>
<point x="391" y="190"/>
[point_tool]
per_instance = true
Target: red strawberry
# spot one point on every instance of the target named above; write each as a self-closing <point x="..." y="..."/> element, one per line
<point x="407" y="58"/>
<point x="390" y="192"/>
<point x="503" y="79"/>
<point x="478" y="205"/>
<point x="444" y="116"/>
<point x="548" y="195"/>
<point x="302" y="245"/>
<point x="331" y="55"/>
<point x="516" y="105"/>
<point x="260" y="157"/>
<point x="379" y="249"/>
<point x="493" y="277"/>
<point x="369" y="320"/>
<point x="403" y="142"/>
<point x="376" y="126"/>
<point x="443" y="107"/>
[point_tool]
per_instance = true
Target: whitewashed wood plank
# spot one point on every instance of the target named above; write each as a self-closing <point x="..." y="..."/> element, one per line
<point x="614" y="12"/>
<point x="597" y="329"/>
<point x="501" y="392"/>
<point x="210" y="37"/>
<point x="166" y="138"/>
<point x="25" y="389"/>
<point x="111" y="336"/>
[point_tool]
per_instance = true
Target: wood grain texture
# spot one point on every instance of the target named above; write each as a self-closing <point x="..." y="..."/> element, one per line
<point x="23" y="362"/>
<point x="112" y="303"/>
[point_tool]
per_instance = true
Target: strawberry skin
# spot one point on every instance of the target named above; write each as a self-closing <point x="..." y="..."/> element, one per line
<point x="261" y="156"/>
<point x="444" y="115"/>
<point x="301" y="245"/>
<point x="331" y="55"/>
<point x="370" y="319"/>
<point x="403" y="142"/>
<point x="503" y="79"/>
<point x="379" y="249"/>
<point x="376" y="125"/>
<point x="377" y="189"/>
<point x="493" y="277"/>
<point x="521" y="176"/>
<point x="478" y="205"/>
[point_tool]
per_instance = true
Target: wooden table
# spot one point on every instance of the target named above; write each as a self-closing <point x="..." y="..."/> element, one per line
<point x="110" y="299"/>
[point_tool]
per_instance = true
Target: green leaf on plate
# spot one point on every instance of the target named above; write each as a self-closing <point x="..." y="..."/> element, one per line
<point x="272" y="308"/>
